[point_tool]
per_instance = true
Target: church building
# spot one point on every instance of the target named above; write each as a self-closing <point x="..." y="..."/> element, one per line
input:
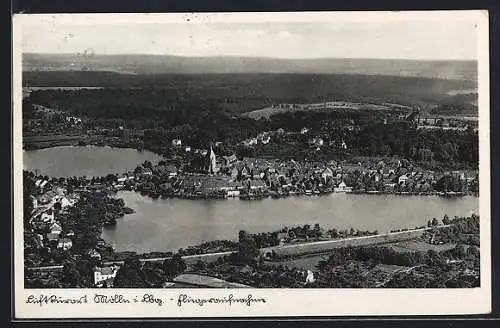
<point x="212" y="162"/>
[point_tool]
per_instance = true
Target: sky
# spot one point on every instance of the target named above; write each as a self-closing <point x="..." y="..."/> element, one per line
<point x="425" y="40"/>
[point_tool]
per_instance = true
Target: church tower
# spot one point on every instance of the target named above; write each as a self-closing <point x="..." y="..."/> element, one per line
<point x="212" y="165"/>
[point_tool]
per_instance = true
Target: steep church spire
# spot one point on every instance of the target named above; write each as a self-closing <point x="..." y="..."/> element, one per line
<point x="212" y="166"/>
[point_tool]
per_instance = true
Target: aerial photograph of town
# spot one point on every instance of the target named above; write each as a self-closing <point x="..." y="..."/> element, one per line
<point x="251" y="155"/>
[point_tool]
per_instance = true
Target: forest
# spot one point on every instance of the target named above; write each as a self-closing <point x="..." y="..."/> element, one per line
<point x="200" y="109"/>
<point x="198" y="128"/>
<point x="246" y="92"/>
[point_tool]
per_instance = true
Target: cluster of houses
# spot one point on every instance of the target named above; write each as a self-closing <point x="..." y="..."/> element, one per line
<point x="51" y="119"/>
<point x="399" y="175"/>
<point x="228" y="176"/>
<point x="317" y="142"/>
<point x="48" y="231"/>
<point x="43" y="220"/>
<point x="262" y="138"/>
<point x="457" y="124"/>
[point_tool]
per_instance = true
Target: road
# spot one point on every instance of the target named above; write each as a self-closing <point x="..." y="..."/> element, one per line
<point x="319" y="246"/>
<point x="187" y="258"/>
<point x="326" y="245"/>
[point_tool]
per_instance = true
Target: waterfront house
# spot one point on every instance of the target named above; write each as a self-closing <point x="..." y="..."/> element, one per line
<point x="255" y="185"/>
<point x="342" y="187"/>
<point x="105" y="275"/>
<point x="389" y="187"/>
<point x="64" y="244"/>
<point x="233" y="193"/>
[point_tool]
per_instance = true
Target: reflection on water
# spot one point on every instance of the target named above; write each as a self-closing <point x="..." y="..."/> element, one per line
<point x="170" y="224"/>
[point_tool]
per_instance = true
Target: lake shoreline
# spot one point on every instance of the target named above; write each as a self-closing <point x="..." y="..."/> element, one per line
<point x="153" y="218"/>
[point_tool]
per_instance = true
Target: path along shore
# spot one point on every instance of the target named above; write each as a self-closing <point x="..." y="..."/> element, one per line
<point x="288" y="250"/>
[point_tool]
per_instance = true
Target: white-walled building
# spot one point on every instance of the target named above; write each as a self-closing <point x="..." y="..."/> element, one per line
<point x="64" y="244"/>
<point x="55" y="228"/>
<point x="104" y="275"/>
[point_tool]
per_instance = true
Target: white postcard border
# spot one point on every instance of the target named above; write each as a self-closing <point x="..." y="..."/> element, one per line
<point x="279" y="302"/>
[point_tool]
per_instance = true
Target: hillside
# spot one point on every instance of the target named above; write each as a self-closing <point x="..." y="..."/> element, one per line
<point x="166" y="64"/>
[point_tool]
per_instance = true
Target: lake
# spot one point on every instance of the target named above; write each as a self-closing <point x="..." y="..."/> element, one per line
<point x="170" y="224"/>
<point x="85" y="160"/>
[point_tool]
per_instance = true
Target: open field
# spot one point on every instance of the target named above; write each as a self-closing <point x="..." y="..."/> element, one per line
<point x="305" y="262"/>
<point x="326" y="106"/>
<point x="324" y="246"/>
<point x="420" y="246"/>
<point x="47" y="141"/>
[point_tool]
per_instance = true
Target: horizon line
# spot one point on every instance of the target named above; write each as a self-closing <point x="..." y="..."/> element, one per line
<point x="253" y="57"/>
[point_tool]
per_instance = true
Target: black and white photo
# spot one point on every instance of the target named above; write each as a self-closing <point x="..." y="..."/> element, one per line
<point x="271" y="153"/>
